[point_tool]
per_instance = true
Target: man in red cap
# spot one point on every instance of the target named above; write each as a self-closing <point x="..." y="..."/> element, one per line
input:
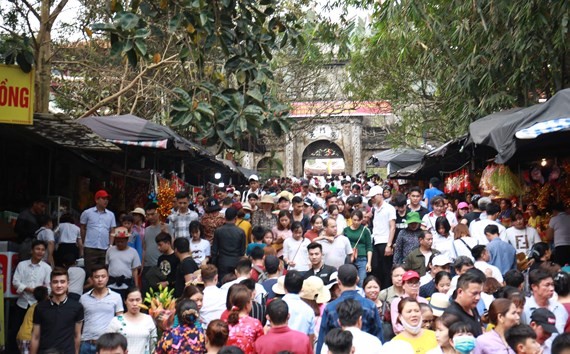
<point x="97" y="228"/>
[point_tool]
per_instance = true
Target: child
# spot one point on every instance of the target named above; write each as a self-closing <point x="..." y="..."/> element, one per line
<point x="295" y="252"/>
<point x="167" y="262"/>
<point x="427" y="317"/>
<point x="46" y="234"/>
<point x="268" y="238"/>
<point x="461" y="338"/>
<point x="199" y="247"/>
<point x="522" y="339"/>
<point x="258" y="238"/>
<point x="24" y="336"/>
<point x="135" y="241"/>
<point x="281" y="231"/>
<point x="68" y="236"/>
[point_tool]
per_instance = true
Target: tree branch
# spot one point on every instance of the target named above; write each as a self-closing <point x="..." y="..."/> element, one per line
<point x="126" y="88"/>
<point x="57" y="11"/>
<point x="31" y="9"/>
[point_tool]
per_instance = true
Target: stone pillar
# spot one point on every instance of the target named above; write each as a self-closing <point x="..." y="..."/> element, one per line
<point x="356" y="148"/>
<point x="289" y="155"/>
<point x="247" y="160"/>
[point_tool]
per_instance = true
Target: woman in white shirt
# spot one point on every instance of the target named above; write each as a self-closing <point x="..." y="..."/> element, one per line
<point x="463" y="243"/>
<point x="443" y="238"/>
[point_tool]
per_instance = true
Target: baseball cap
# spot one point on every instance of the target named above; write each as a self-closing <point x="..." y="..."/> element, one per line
<point x="304" y="183"/>
<point x="375" y="191"/>
<point x="271" y="262"/>
<point x="545" y="318"/>
<point x="253" y="178"/>
<point x="102" y="194"/>
<point x="212" y="205"/>
<point x="308" y="202"/>
<point x="410" y="274"/>
<point x="462" y="205"/>
<point x="440" y="260"/>
<point x="121" y="232"/>
<point x="237" y="205"/>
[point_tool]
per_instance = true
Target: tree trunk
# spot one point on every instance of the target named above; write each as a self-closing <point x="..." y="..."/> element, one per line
<point x="43" y="60"/>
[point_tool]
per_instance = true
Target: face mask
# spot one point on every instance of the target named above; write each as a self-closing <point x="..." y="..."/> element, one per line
<point x="247" y="216"/>
<point x="464" y="344"/>
<point x="412" y="329"/>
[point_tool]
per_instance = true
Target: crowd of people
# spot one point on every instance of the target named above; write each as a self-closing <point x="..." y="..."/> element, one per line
<point x="351" y="265"/>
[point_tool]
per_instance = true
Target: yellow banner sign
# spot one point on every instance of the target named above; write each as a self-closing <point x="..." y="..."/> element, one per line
<point x="16" y="95"/>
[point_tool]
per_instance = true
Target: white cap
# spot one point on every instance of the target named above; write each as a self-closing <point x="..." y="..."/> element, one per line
<point x="253" y="177"/>
<point x="375" y="191"/>
<point x="440" y="260"/>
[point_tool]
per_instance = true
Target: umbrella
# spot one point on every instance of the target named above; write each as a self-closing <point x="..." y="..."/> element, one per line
<point x="499" y="130"/>
<point x="401" y="157"/>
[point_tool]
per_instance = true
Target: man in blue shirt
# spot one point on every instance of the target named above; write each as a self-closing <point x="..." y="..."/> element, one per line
<point x="431" y="192"/>
<point x="347" y="280"/>
<point x="502" y="253"/>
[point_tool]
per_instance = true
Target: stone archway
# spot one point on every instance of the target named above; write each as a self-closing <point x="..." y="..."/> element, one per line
<point x="323" y="157"/>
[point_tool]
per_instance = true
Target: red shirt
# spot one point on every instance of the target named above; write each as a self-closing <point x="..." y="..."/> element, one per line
<point x="283" y="338"/>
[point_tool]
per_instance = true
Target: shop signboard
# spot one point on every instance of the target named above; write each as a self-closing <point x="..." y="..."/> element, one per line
<point x="16" y="95"/>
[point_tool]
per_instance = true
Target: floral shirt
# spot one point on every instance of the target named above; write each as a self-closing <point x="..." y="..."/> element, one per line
<point x="210" y="222"/>
<point x="182" y="339"/>
<point x="244" y="334"/>
<point x="259" y="218"/>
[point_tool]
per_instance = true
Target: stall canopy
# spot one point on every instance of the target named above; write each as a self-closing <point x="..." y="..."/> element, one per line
<point x="131" y="130"/>
<point x="510" y="131"/>
<point x="397" y="158"/>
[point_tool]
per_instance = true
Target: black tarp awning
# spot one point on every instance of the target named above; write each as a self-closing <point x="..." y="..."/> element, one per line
<point x="130" y="128"/>
<point x="498" y="130"/>
<point x="398" y="158"/>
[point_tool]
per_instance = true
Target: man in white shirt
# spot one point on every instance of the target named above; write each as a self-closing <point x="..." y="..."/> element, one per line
<point x="253" y="189"/>
<point x="29" y="274"/>
<point x="477" y="228"/>
<point x="336" y="248"/>
<point x="383" y="231"/>
<point x="520" y="236"/>
<point x="179" y="221"/>
<point x="301" y="316"/>
<point x="542" y="286"/>
<point x="243" y="271"/>
<point x="350" y="318"/>
<point x="482" y="257"/>
<point x="214" y="302"/>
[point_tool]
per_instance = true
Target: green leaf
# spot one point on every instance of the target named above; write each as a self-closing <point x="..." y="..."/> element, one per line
<point x="142" y="33"/>
<point x="256" y="95"/>
<point x="141" y="47"/>
<point x="127" y="20"/>
<point x="103" y="27"/>
<point x="206" y="109"/>
<point x="203" y="18"/>
<point x="174" y="23"/>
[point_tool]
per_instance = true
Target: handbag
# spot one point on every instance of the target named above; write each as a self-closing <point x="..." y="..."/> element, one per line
<point x="387" y="329"/>
<point x="354" y="249"/>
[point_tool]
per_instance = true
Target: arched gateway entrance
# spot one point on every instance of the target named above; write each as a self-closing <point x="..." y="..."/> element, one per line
<point x="323" y="157"/>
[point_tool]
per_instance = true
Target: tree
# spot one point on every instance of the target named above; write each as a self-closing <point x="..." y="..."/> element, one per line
<point x="225" y="47"/>
<point x="443" y="64"/>
<point x="46" y="13"/>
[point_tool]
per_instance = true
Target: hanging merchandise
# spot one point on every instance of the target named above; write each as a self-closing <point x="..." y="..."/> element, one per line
<point x="458" y="182"/>
<point x="165" y="197"/>
<point x="498" y="181"/>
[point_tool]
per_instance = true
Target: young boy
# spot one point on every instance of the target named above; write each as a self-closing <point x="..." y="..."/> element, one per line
<point x="258" y="236"/>
<point x="123" y="262"/>
<point x="24" y="336"/>
<point x="135" y="240"/>
<point x="522" y="339"/>
<point x="46" y="234"/>
<point x="112" y="343"/>
<point x="167" y="261"/>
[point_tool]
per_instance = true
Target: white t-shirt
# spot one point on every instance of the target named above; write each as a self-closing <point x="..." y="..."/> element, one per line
<point x="495" y="272"/>
<point x="200" y="250"/>
<point x="46" y="235"/>
<point x="381" y="222"/>
<point x="361" y="341"/>
<point x="76" y="280"/>
<point x="141" y="336"/>
<point x="460" y="247"/>
<point x="477" y="230"/>
<point x="122" y="263"/>
<point x="443" y="244"/>
<point x="67" y="233"/>
<point x="428" y="221"/>
<point x="297" y="252"/>
<point x="561" y="226"/>
<point x="335" y="253"/>
<point x="522" y="240"/>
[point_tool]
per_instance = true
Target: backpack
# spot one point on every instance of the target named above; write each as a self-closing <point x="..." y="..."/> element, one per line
<point x="263" y="276"/>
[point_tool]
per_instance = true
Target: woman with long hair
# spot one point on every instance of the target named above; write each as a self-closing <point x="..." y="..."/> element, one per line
<point x="316" y="227"/>
<point x="243" y="329"/>
<point x="410" y="318"/>
<point x="360" y="238"/>
<point x="463" y="243"/>
<point x="562" y="289"/>
<point x="503" y="315"/>
<point x="282" y="231"/>
<point x="443" y="238"/>
<point x="137" y="327"/>
<point x="188" y="336"/>
<point x="216" y="336"/>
